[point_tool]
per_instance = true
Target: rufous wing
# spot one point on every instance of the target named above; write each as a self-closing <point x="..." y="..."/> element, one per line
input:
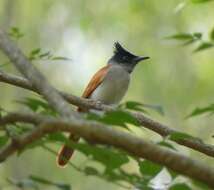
<point x="95" y="82"/>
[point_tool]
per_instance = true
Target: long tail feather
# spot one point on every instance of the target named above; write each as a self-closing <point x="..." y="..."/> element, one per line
<point x="66" y="152"/>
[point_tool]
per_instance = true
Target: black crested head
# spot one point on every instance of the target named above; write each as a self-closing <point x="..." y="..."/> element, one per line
<point x="125" y="58"/>
<point x="121" y="54"/>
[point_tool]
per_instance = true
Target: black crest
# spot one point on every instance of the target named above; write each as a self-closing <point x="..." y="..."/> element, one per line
<point x="122" y="52"/>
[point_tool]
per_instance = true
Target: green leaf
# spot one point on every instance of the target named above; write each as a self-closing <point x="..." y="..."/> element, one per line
<point x="149" y="168"/>
<point x="60" y="58"/>
<point x="187" y="38"/>
<point x="33" y="103"/>
<point x="200" y="185"/>
<point x="136" y="106"/>
<point x="200" y="1"/>
<point x="181" y="36"/>
<point x="90" y="171"/>
<point x="180" y="186"/>
<point x="212" y="35"/>
<point x="203" y="46"/>
<point x="15" y="33"/>
<point x="110" y="158"/>
<point x="35" y="51"/>
<point x="203" y="110"/>
<point x="197" y="35"/>
<point x="37" y="105"/>
<point x="166" y="144"/>
<point x="56" y="137"/>
<point x="118" y="117"/>
<point x="3" y="140"/>
<point x="45" y="54"/>
<point x="179" y="136"/>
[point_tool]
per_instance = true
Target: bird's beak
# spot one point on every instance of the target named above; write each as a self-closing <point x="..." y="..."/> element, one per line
<point x="138" y="59"/>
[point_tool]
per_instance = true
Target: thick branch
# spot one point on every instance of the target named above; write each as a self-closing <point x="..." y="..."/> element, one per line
<point x="99" y="133"/>
<point x="161" y="129"/>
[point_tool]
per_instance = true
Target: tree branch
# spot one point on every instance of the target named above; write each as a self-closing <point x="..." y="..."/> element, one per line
<point x="163" y="130"/>
<point x="102" y="134"/>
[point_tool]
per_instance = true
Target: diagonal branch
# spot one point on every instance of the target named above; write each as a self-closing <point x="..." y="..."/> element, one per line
<point x="102" y="134"/>
<point x="161" y="129"/>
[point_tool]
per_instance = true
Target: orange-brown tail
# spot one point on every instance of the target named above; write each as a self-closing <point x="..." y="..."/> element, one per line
<point x="66" y="152"/>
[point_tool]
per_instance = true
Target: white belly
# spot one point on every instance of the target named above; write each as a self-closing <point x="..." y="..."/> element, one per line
<point x="113" y="87"/>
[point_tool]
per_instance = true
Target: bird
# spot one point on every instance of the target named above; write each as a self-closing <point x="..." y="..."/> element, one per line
<point x="108" y="86"/>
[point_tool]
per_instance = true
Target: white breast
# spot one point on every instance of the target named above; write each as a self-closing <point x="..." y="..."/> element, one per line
<point x="113" y="87"/>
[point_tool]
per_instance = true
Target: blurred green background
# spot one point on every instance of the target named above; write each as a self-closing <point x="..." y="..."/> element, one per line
<point x="85" y="30"/>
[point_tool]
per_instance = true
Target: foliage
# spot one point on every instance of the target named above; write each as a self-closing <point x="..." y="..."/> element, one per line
<point x="39" y="54"/>
<point x="202" y="110"/>
<point x="193" y="38"/>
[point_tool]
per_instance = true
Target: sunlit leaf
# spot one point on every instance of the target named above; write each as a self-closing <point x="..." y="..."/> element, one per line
<point x="180" y="186"/>
<point x="149" y="168"/>
<point x="200" y="111"/>
<point x="203" y="46"/>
